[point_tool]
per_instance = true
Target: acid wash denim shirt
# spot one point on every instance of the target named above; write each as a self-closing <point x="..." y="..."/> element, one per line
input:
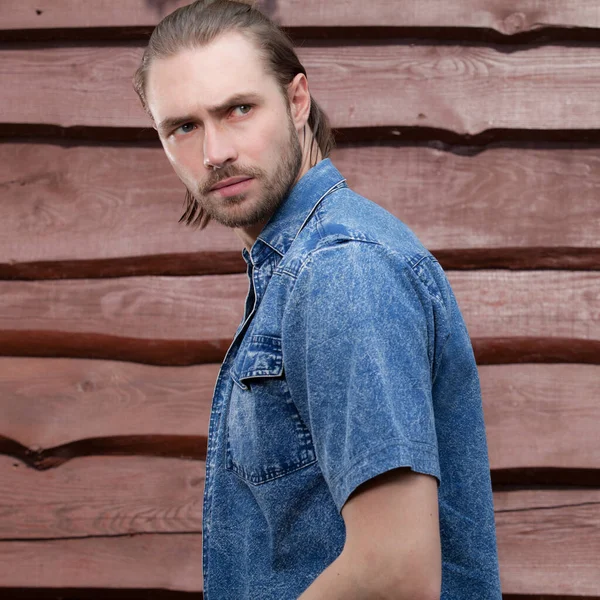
<point x="352" y="359"/>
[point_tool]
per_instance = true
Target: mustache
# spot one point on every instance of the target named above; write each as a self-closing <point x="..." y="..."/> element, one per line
<point x="227" y="172"/>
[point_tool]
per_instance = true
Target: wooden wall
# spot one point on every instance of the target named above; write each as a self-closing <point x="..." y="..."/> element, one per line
<point x="476" y="122"/>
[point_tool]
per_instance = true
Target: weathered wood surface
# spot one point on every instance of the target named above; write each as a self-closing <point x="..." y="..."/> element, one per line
<point x="549" y="541"/>
<point x="206" y="310"/>
<point x="101" y="497"/>
<point x="463" y="89"/>
<point x="550" y="304"/>
<point x="149" y="308"/>
<point x="548" y="544"/>
<point x="94" y="203"/>
<point x="50" y="402"/>
<point x="150" y="561"/>
<point x="542" y="415"/>
<point x="537" y="416"/>
<point x="512" y="16"/>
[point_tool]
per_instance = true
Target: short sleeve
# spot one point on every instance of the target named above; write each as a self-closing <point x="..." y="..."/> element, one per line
<point x="358" y="349"/>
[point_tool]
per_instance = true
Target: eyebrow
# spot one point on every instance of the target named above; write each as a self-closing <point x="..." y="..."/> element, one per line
<point x="173" y="122"/>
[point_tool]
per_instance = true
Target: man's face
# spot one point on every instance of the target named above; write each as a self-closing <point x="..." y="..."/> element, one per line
<point x="217" y="104"/>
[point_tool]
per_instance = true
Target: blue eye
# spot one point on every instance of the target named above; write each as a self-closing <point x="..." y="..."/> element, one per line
<point x="185" y="128"/>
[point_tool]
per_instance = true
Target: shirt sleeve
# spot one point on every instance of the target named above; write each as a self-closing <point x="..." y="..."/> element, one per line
<point x="358" y="345"/>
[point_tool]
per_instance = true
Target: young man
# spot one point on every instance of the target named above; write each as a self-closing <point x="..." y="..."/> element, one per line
<point x="347" y="454"/>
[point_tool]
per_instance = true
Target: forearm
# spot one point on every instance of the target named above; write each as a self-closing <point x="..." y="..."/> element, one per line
<point x="338" y="581"/>
<point x="358" y="578"/>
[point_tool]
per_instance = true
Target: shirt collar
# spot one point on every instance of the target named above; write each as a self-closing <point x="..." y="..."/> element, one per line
<point x="297" y="209"/>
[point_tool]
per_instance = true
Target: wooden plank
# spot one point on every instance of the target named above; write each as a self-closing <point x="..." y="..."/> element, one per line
<point x="541" y="416"/>
<point x="538" y="303"/>
<point x="101" y="497"/>
<point x="549" y="541"/>
<point x="495" y="304"/>
<point x="61" y="204"/>
<point x="153" y="561"/>
<point x="50" y="402"/>
<point x="463" y="89"/>
<point x="537" y="416"/>
<point x="149" y="308"/>
<point x="511" y="17"/>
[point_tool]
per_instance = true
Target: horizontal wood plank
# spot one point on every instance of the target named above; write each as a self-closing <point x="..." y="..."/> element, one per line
<point x="541" y="415"/>
<point x="50" y="402"/>
<point x="61" y="204"/>
<point x="529" y="304"/>
<point x="537" y="416"/>
<point x="149" y="308"/>
<point x="511" y="17"/>
<point x="549" y="542"/>
<point x="153" y="561"/>
<point x="101" y="497"/>
<point x="463" y="89"/>
<point x="206" y="310"/>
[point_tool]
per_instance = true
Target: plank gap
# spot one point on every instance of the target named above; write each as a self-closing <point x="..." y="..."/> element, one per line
<point x="165" y="446"/>
<point x="57" y="344"/>
<point x="397" y="135"/>
<point x="545" y="477"/>
<point x="227" y="263"/>
<point x="318" y="35"/>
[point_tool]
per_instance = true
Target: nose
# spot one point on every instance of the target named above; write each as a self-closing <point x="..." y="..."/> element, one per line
<point x="219" y="149"/>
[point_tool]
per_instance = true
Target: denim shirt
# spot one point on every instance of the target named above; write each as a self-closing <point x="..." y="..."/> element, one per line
<point x="352" y="359"/>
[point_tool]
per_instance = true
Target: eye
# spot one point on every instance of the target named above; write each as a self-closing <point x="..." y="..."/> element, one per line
<point x="241" y="110"/>
<point x="184" y="129"/>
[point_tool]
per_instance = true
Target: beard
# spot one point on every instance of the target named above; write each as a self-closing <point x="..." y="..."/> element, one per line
<point x="275" y="188"/>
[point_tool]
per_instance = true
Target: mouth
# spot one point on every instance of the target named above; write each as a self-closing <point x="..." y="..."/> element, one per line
<point x="229" y="182"/>
<point x="232" y="186"/>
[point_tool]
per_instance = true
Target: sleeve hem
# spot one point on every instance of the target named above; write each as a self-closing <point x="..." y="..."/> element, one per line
<point x="392" y="455"/>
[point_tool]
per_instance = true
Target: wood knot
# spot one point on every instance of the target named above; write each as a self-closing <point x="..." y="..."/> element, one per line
<point x="38" y="11"/>
<point x="86" y="386"/>
<point x="515" y="23"/>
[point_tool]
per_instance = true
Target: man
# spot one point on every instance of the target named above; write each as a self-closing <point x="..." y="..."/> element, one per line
<point x="346" y="453"/>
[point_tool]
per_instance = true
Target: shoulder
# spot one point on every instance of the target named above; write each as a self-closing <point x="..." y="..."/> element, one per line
<point x="346" y="223"/>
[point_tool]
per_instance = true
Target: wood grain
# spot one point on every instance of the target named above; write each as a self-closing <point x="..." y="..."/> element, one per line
<point x="62" y="206"/>
<point x="148" y="308"/>
<point x="541" y="415"/>
<point x="537" y="416"/>
<point x="549" y="541"/>
<point x="51" y="402"/>
<point x="554" y="304"/>
<point x="511" y="17"/>
<point x="101" y="497"/>
<point x="537" y="303"/>
<point x="463" y="89"/>
<point x="153" y="561"/>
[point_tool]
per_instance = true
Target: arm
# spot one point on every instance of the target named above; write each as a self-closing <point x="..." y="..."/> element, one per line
<point x="392" y="545"/>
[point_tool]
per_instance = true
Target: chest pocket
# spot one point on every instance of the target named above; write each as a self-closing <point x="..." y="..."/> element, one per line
<point x="266" y="438"/>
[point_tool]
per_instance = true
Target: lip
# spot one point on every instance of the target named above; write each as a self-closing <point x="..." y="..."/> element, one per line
<point x="228" y="182"/>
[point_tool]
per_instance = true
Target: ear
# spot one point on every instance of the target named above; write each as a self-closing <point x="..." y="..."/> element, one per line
<point x="299" y="99"/>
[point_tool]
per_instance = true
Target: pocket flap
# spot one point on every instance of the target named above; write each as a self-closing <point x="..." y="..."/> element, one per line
<point x="260" y="357"/>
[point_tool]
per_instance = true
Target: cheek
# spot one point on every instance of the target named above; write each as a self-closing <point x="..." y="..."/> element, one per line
<point x="184" y="162"/>
<point x="273" y="136"/>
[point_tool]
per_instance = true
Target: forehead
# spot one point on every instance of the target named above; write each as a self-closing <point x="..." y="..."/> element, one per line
<point x="206" y="76"/>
